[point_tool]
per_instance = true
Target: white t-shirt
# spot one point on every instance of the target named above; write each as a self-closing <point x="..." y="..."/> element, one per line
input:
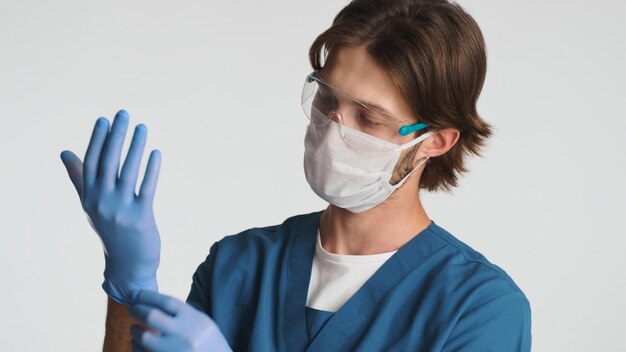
<point x="336" y="277"/>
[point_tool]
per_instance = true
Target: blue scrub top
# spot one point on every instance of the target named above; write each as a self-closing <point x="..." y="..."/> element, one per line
<point x="434" y="294"/>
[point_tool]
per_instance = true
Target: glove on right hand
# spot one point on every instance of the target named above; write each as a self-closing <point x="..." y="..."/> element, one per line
<point x="123" y="220"/>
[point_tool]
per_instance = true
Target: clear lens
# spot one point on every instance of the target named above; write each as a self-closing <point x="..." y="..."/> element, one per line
<point x="324" y="104"/>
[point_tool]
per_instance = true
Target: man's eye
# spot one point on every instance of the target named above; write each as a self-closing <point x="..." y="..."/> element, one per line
<point x="369" y="121"/>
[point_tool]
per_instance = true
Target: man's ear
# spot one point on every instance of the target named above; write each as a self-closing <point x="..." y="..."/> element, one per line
<point x="439" y="142"/>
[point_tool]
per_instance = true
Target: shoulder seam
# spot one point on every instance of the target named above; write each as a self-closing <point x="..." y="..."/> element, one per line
<point x="512" y="294"/>
<point x="508" y="280"/>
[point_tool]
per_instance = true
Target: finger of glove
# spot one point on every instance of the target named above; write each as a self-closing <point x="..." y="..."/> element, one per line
<point x="168" y="304"/>
<point x="110" y="158"/>
<point x="149" y="183"/>
<point x="153" y="317"/>
<point x="94" y="150"/>
<point x="149" y="340"/>
<point x="130" y="170"/>
<point x="74" y="168"/>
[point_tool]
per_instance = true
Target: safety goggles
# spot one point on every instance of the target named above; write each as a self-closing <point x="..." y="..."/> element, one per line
<point x="324" y="104"/>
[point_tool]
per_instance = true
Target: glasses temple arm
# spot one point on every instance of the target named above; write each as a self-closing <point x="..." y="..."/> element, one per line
<point x="408" y="129"/>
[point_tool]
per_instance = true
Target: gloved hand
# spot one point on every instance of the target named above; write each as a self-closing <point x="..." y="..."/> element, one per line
<point x="182" y="328"/>
<point x="123" y="220"/>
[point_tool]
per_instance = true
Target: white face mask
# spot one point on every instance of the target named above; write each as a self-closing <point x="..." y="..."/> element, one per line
<point x="352" y="176"/>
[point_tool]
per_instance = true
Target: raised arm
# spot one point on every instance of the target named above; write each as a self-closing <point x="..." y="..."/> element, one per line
<point x="123" y="220"/>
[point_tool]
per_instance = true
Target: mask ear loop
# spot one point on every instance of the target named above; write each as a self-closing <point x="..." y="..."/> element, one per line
<point x="409" y="174"/>
<point x="413" y="142"/>
<point x="408" y="145"/>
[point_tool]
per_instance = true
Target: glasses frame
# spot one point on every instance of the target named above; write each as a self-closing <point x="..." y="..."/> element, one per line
<point x="403" y="130"/>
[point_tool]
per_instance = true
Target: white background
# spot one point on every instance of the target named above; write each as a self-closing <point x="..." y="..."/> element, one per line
<point x="218" y="85"/>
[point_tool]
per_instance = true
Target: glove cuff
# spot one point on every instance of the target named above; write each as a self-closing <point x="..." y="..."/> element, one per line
<point x="127" y="296"/>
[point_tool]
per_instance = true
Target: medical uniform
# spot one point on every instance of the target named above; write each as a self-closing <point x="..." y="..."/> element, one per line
<point x="433" y="294"/>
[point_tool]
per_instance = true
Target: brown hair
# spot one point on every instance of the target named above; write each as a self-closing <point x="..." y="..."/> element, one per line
<point x="435" y="54"/>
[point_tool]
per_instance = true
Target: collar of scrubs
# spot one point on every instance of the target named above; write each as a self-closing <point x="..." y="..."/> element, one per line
<point x="345" y="322"/>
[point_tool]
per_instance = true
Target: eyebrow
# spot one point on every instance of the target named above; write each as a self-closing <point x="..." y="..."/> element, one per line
<point x="378" y="107"/>
<point x="367" y="103"/>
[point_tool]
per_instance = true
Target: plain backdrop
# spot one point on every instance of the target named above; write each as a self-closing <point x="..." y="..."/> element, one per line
<point x="218" y="85"/>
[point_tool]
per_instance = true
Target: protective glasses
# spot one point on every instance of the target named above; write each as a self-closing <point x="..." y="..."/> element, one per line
<point x="324" y="104"/>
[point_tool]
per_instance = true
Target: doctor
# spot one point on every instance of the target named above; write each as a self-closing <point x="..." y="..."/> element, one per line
<point x="391" y="111"/>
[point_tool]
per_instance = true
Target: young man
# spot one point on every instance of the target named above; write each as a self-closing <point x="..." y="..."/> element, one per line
<point x="391" y="111"/>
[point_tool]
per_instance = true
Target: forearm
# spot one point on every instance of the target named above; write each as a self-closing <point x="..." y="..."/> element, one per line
<point x="118" y="321"/>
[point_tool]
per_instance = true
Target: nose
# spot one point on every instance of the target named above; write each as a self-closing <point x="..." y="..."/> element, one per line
<point x="334" y="116"/>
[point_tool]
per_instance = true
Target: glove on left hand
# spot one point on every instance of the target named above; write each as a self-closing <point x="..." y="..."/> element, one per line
<point x="182" y="327"/>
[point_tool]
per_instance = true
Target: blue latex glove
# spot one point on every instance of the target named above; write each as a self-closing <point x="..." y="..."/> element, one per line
<point x="181" y="327"/>
<point x="123" y="220"/>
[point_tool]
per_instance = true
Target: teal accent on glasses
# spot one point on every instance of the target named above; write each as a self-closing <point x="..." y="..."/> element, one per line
<point x="404" y="130"/>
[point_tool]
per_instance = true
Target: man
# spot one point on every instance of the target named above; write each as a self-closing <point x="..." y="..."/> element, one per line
<point x="391" y="111"/>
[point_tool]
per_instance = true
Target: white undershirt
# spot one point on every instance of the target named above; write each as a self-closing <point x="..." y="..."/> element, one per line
<point x="336" y="277"/>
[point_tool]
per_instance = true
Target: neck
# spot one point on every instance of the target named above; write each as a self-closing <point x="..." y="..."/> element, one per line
<point x="384" y="228"/>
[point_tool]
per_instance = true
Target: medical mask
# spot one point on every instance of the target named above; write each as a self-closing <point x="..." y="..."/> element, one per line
<point x="352" y="176"/>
